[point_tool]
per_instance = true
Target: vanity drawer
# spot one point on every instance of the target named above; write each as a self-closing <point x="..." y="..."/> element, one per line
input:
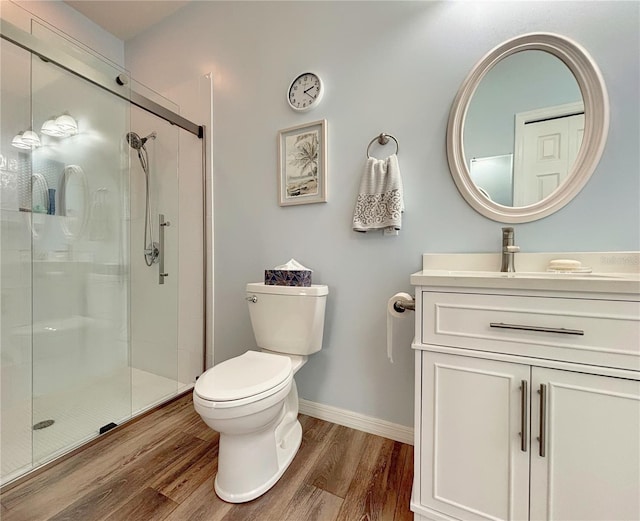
<point x="596" y="332"/>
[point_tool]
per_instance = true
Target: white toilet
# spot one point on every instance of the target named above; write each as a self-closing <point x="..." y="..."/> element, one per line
<point x="252" y="400"/>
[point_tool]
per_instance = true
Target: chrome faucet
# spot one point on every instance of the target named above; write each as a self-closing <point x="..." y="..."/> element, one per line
<point x="508" y="250"/>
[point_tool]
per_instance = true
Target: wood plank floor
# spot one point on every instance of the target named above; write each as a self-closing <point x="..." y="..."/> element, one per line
<point x="162" y="468"/>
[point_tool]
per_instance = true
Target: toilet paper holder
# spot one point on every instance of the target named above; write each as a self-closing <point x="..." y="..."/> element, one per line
<point x="396" y="306"/>
<point x="401" y="305"/>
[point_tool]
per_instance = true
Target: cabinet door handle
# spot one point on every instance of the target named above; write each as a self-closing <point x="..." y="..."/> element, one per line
<point x="524" y="420"/>
<point x="559" y="330"/>
<point x="543" y="420"/>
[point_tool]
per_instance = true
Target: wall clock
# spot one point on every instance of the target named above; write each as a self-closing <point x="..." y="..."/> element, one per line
<point x="305" y="92"/>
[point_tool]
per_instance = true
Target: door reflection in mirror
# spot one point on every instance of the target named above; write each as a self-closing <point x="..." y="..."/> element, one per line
<point x="546" y="146"/>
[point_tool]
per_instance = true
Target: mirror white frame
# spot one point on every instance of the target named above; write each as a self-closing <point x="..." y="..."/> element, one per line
<point x="596" y="108"/>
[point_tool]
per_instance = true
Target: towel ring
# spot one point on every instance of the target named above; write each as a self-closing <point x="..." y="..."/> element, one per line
<point x="383" y="139"/>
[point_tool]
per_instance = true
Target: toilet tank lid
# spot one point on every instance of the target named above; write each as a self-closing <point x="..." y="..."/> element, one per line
<point x="315" y="290"/>
<point x="246" y="375"/>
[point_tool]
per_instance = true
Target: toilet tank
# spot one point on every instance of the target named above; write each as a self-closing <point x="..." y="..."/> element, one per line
<point x="287" y="319"/>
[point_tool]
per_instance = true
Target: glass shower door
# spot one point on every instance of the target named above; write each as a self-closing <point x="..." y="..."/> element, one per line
<point x="80" y="260"/>
<point x="15" y="264"/>
<point x="153" y="158"/>
<point x="88" y="254"/>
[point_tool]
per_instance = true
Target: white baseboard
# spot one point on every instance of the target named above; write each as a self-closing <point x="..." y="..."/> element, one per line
<point x="357" y="421"/>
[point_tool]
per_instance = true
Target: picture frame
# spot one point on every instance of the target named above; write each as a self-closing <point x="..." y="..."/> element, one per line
<point x="302" y="164"/>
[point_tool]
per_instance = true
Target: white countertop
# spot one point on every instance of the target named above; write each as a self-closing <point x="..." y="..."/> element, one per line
<point x="612" y="272"/>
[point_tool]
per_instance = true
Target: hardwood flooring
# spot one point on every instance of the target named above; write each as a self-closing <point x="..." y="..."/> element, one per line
<point x="161" y="468"/>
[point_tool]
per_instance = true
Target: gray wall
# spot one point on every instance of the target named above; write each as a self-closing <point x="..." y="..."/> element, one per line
<point x="389" y="67"/>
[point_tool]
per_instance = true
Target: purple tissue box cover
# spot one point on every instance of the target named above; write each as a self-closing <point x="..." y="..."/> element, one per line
<point x="287" y="277"/>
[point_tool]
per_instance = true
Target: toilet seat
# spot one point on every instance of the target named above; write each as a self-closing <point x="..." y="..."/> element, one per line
<point x="244" y="379"/>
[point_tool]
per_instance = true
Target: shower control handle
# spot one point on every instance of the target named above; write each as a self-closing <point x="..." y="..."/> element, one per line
<point x="162" y="225"/>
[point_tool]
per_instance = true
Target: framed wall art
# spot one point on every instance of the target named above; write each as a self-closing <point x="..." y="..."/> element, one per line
<point x="302" y="164"/>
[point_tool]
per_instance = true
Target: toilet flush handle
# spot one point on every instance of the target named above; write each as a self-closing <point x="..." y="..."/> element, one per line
<point x="253" y="299"/>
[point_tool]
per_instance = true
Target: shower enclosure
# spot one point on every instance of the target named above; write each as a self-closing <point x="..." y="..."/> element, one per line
<point x="89" y="317"/>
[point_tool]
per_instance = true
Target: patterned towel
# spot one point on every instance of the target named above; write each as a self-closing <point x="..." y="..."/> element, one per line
<point x="380" y="203"/>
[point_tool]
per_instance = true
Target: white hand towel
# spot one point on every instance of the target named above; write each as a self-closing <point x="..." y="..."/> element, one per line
<point x="380" y="201"/>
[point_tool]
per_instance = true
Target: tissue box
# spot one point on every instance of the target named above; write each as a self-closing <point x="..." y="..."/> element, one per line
<point x="287" y="277"/>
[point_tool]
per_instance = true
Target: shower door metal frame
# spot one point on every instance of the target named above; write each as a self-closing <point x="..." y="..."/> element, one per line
<point x="31" y="43"/>
<point x="46" y="52"/>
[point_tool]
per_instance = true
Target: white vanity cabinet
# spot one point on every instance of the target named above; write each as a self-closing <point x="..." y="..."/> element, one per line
<point x="527" y="405"/>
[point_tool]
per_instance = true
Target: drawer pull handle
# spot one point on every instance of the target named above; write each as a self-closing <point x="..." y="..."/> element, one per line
<point x="524" y="422"/>
<point x="559" y="330"/>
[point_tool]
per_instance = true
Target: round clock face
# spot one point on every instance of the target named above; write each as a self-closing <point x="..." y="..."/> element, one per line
<point x="305" y="91"/>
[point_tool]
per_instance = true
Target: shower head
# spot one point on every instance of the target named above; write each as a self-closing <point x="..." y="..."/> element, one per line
<point x="136" y="142"/>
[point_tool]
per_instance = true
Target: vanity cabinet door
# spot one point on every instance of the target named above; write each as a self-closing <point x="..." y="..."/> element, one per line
<point x="591" y="464"/>
<point x="472" y="462"/>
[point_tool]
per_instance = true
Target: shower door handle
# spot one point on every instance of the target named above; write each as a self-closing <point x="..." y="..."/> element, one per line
<point x="162" y="225"/>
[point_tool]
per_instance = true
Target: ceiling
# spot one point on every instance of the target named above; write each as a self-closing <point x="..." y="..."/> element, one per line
<point x="124" y="18"/>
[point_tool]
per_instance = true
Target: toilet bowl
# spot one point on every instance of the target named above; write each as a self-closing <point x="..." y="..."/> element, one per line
<point x="252" y="399"/>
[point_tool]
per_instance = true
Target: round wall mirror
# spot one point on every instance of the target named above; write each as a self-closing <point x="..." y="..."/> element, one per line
<point x="527" y="128"/>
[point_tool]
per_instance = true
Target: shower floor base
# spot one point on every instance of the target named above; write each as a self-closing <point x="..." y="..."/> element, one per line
<point x="78" y="415"/>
